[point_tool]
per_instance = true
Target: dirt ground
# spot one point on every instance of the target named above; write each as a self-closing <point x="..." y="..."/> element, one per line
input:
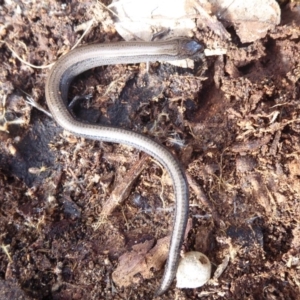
<point x="233" y="122"/>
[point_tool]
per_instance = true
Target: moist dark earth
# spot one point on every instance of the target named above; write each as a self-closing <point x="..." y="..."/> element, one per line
<point x="233" y="121"/>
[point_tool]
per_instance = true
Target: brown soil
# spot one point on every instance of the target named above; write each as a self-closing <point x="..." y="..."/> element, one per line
<point x="234" y="122"/>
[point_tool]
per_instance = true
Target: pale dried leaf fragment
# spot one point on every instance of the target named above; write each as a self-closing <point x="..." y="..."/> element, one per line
<point x="221" y="267"/>
<point x="253" y="184"/>
<point x="140" y="261"/>
<point x="164" y="20"/>
<point x="251" y="145"/>
<point x="142" y="19"/>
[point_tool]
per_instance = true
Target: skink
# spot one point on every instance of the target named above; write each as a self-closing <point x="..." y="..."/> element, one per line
<point x="87" y="57"/>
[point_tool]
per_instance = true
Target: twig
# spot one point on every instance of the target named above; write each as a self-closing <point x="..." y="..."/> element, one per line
<point x="50" y="65"/>
<point x="202" y="197"/>
<point x="27" y="63"/>
<point x="33" y="103"/>
<point x="5" y="250"/>
<point x="90" y="24"/>
<point x="121" y="190"/>
<point x="107" y="8"/>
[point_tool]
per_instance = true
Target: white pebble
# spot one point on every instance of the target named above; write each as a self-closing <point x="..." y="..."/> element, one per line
<point x="194" y="270"/>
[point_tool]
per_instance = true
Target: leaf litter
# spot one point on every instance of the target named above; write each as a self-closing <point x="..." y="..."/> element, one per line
<point x="237" y="120"/>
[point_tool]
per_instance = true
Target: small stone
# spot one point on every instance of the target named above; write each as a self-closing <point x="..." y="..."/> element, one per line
<point x="194" y="270"/>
